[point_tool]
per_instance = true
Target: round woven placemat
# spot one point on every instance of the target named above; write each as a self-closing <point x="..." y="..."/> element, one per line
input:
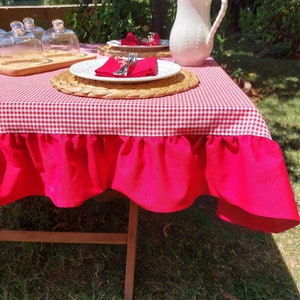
<point x="107" y="50"/>
<point x="68" y="83"/>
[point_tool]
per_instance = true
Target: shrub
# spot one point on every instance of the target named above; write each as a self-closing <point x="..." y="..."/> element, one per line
<point x="273" y="29"/>
<point x="110" y="20"/>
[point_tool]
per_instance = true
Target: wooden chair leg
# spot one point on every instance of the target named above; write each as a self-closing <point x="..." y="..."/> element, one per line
<point x="131" y="251"/>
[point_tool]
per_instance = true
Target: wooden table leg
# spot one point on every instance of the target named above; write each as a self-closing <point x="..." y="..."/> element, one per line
<point x="131" y="250"/>
<point x="128" y="239"/>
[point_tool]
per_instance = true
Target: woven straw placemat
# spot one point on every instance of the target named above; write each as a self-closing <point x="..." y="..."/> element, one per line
<point x="68" y="83"/>
<point x="107" y="50"/>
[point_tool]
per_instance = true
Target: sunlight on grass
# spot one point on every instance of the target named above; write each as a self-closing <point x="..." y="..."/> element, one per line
<point x="278" y="84"/>
<point x="289" y="246"/>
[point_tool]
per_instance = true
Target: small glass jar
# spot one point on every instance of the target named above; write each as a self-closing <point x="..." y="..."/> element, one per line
<point x="2" y="33"/>
<point x="31" y="27"/>
<point x="60" y="41"/>
<point x="19" y="45"/>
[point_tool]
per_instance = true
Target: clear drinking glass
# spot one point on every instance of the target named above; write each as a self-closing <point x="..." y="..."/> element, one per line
<point x="59" y="41"/>
<point x="19" y="46"/>
<point x="31" y="27"/>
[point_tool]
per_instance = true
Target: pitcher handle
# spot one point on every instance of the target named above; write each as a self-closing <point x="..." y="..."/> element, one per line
<point x="218" y="20"/>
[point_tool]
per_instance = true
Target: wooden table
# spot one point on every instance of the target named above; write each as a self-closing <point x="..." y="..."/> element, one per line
<point x="161" y="153"/>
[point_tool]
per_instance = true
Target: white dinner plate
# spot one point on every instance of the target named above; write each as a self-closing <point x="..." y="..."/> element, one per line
<point x="117" y="44"/>
<point x="86" y="69"/>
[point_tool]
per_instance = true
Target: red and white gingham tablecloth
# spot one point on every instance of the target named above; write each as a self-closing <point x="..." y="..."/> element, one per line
<point x="30" y="104"/>
<point x="160" y="152"/>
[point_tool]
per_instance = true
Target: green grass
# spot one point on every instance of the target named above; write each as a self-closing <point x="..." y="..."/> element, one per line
<point x="186" y="255"/>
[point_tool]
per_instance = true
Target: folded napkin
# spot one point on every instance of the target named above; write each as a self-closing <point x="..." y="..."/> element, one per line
<point x="152" y="40"/>
<point x="143" y="67"/>
<point x="130" y="40"/>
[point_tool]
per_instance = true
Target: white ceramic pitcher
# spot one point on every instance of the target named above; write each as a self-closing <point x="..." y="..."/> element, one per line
<point x="192" y="36"/>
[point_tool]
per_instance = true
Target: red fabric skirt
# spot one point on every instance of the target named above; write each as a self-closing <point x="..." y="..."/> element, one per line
<point x="165" y="174"/>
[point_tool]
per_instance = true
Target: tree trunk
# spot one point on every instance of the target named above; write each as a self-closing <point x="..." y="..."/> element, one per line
<point x="159" y="15"/>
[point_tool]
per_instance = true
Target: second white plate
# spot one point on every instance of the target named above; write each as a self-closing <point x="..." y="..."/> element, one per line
<point x="117" y="44"/>
<point x="86" y="69"/>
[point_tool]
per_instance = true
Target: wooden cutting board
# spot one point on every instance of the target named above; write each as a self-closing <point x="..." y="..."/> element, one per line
<point x="53" y="60"/>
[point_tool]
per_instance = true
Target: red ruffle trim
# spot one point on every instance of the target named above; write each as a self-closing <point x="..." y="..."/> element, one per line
<point x="247" y="174"/>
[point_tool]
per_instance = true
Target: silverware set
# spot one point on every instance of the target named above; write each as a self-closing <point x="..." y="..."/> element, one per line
<point x="128" y="66"/>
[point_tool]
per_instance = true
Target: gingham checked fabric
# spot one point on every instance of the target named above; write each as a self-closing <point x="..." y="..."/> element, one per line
<point x="30" y="104"/>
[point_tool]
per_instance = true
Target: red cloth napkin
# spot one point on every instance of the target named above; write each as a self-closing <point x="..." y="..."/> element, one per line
<point x="152" y="39"/>
<point x="143" y="67"/>
<point x="130" y="40"/>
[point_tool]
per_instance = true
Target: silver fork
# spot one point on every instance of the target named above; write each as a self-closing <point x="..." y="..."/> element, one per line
<point x="131" y="64"/>
<point x="131" y="61"/>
